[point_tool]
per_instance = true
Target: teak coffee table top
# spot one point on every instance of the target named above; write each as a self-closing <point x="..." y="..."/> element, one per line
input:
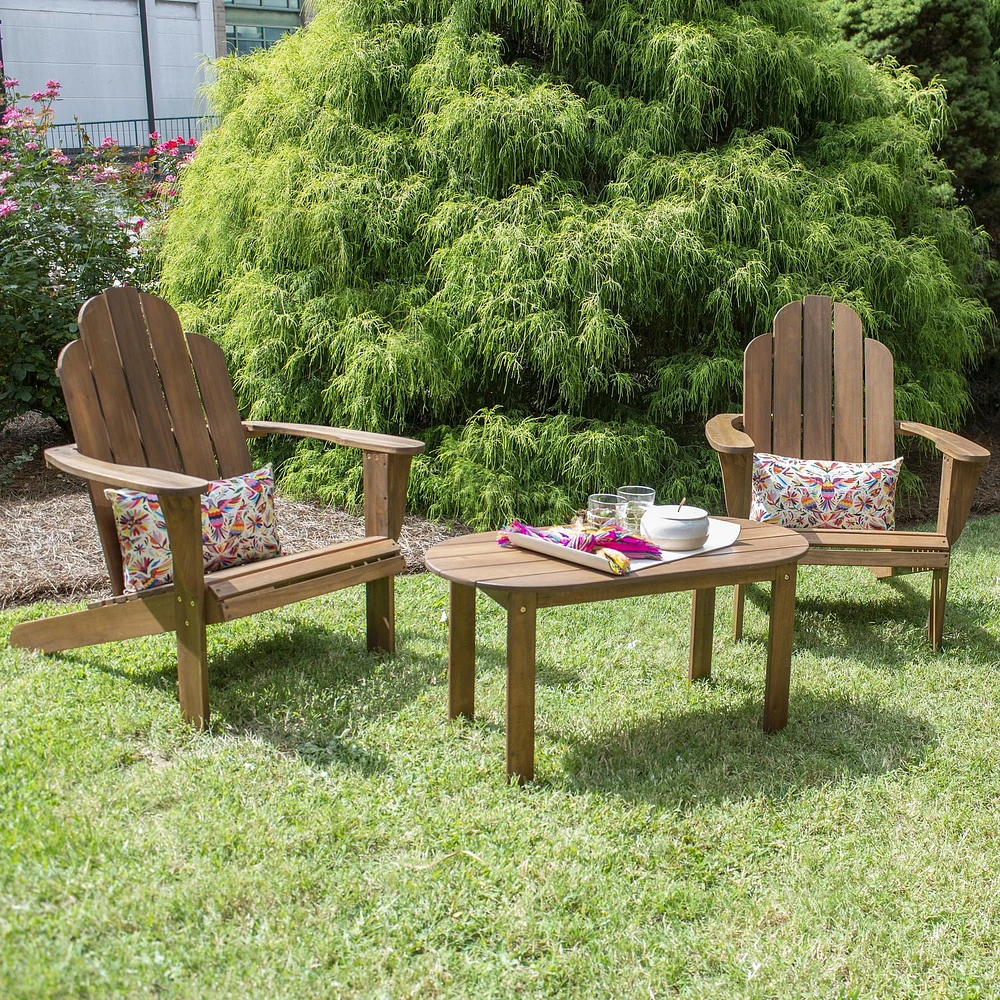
<point x="477" y="560"/>
<point x="523" y="581"/>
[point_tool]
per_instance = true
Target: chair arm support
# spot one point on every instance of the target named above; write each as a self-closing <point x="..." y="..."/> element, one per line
<point x="387" y="444"/>
<point x="735" y="450"/>
<point x="726" y="437"/>
<point x="958" y="485"/>
<point x="953" y="445"/>
<point x="67" y="458"/>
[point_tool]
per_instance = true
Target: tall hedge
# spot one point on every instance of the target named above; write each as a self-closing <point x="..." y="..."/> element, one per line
<point x="952" y="40"/>
<point x="538" y="234"/>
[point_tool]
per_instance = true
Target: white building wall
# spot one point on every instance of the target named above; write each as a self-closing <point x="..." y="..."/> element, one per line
<point x="93" y="48"/>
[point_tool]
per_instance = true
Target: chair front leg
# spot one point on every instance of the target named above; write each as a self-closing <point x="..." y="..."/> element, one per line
<point x="385" y="480"/>
<point x="183" y="517"/>
<point x="737" y="479"/>
<point x="958" y="484"/>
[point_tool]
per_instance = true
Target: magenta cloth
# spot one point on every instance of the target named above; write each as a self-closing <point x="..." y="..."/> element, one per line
<point x="586" y="541"/>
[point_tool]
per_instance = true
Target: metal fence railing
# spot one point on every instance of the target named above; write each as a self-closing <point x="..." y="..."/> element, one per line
<point x="129" y="134"/>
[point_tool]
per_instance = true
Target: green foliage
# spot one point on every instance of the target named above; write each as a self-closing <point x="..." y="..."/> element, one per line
<point x="67" y="231"/>
<point x="60" y="241"/>
<point x="952" y="40"/>
<point x="539" y="235"/>
<point x="334" y="836"/>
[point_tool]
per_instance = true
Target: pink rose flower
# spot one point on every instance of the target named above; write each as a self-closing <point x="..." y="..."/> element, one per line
<point x="7" y="206"/>
<point x="38" y="95"/>
<point x="31" y="145"/>
<point x="10" y="82"/>
<point x="53" y="84"/>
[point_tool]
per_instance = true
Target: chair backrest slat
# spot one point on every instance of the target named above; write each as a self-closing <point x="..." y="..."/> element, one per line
<point x="787" y="394"/>
<point x="139" y="367"/>
<point x="134" y="398"/>
<point x="180" y="389"/>
<point x="216" y="388"/>
<point x="113" y="395"/>
<point x="880" y="437"/>
<point x="758" y="363"/>
<point x="817" y="377"/>
<point x="848" y="385"/>
<point x="816" y="388"/>
<point x="91" y="437"/>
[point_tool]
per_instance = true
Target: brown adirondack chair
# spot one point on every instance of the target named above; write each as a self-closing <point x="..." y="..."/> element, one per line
<point x="153" y="410"/>
<point x="816" y="388"/>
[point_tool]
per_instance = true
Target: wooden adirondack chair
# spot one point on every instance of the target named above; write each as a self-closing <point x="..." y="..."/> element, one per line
<point x="153" y="410"/>
<point x="816" y="388"/>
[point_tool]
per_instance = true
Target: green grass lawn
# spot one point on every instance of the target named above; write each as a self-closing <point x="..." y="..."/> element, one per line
<point x="335" y="836"/>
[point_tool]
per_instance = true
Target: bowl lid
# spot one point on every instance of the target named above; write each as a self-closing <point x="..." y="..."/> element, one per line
<point x="673" y="512"/>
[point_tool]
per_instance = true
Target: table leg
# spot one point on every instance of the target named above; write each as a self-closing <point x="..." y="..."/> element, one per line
<point x="462" y="652"/>
<point x="702" y="624"/>
<point x="779" y="649"/>
<point x="521" y="686"/>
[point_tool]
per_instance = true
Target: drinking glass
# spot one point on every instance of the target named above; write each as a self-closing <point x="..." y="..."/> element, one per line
<point x="605" y="510"/>
<point x="638" y="499"/>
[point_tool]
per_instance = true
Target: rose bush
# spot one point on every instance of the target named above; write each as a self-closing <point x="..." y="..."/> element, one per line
<point x="68" y="229"/>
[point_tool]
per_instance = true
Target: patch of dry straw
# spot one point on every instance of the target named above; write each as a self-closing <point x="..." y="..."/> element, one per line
<point x="49" y="548"/>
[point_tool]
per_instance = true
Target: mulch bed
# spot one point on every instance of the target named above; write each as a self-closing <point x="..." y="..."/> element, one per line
<point x="49" y="547"/>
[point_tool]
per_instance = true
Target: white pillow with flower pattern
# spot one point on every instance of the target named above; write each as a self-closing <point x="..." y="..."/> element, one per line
<point x="237" y="526"/>
<point x="804" y="493"/>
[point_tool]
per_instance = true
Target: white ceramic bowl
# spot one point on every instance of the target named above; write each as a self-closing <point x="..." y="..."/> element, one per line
<point x="676" y="528"/>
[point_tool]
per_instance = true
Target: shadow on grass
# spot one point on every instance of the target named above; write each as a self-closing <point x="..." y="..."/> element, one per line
<point x="297" y="689"/>
<point x="690" y="758"/>
<point x="842" y="626"/>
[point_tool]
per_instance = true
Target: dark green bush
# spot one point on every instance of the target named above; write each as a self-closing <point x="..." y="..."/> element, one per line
<point x="540" y="234"/>
<point x="952" y="40"/>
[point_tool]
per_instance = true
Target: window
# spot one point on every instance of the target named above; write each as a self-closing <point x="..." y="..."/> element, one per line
<point x="244" y="38"/>
<point x="293" y="5"/>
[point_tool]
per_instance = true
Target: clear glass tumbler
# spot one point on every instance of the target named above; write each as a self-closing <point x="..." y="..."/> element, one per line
<point x="638" y="499"/>
<point x="605" y="510"/>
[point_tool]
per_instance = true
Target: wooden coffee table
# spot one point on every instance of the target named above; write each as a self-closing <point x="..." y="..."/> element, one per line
<point x="523" y="581"/>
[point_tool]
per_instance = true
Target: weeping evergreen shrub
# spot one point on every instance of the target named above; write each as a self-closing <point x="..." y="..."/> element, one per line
<point x="539" y="233"/>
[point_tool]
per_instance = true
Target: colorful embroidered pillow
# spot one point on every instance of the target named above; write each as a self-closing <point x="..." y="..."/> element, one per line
<point x="798" y="493"/>
<point x="237" y="526"/>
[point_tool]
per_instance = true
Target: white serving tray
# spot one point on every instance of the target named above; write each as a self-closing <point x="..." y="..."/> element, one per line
<point x="720" y="534"/>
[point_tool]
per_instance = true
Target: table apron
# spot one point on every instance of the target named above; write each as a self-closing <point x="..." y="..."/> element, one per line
<point x="618" y="588"/>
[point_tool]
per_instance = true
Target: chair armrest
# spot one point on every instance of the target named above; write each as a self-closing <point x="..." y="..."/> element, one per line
<point x="384" y="443"/>
<point x="67" y="458"/>
<point x="725" y="437"/>
<point x="953" y="445"/>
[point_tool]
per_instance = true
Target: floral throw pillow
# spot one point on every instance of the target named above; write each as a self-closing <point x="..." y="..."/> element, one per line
<point x="799" y="493"/>
<point x="237" y="526"/>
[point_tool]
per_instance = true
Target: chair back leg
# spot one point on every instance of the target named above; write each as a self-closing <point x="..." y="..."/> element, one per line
<point x="935" y="619"/>
<point x="380" y="608"/>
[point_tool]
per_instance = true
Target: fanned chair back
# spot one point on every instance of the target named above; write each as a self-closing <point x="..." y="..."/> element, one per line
<point x="140" y="392"/>
<point x="816" y="388"/>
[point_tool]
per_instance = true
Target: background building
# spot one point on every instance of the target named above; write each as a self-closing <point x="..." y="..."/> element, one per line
<point x="122" y="63"/>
